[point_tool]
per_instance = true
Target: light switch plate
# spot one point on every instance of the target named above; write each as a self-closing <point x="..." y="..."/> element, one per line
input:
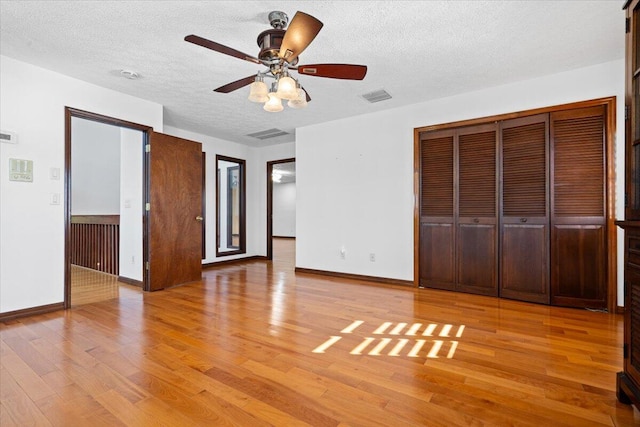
<point x="54" y="173"/>
<point x="21" y="170"/>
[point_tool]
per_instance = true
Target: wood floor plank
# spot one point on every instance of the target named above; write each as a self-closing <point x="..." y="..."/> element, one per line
<point x="28" y="380"/>
<point x="127" y="412"/>
<point x="17" y="407"/>
<point x="239" y="349"/>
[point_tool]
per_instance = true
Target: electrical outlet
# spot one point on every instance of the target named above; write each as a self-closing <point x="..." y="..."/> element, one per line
<point x="372" y="257"/>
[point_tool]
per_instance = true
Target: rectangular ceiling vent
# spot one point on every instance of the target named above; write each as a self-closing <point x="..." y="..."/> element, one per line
<point x="377" y="96"/>
<point x="269" y="133"/>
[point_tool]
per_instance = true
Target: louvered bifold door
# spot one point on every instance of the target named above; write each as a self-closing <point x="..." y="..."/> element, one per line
<point x="524" y="222"/>
<point x="578" y="227"/>
<point x="477" y="210"/>
<point x="437" y="231"/>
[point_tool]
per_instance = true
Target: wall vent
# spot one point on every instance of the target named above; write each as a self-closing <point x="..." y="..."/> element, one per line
<point x="377" y="96"/>
<point x="269" y="133"/>
<point x="8" y="137"/>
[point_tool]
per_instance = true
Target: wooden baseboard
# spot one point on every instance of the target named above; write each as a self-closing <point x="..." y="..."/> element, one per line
<point x="33" y="311"/>
<point x="384" y="280"/>
<point x="132" y="282"/>
<point x="284" y="237"/>
<point x="619" y="310"/>
<point x="234" y="261"/>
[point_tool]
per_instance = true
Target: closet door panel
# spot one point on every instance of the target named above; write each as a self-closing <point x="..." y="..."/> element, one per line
<point x="578" y="226"/>
<point x="437" y="219"/>
<point x="578" y="260"/>
<point x="477" y="207"/>
<point x="437" y="255"/>
<point x="524" y="266"/>
<point x="477" y="258"/>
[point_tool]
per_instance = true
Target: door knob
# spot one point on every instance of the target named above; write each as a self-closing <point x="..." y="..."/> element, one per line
<point x="199" y="218"/>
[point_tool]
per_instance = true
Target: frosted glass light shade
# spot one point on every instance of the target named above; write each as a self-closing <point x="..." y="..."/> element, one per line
<point x="300" y="101"/>
<point x="287" y="88"/>
<point x="258" y="92"/>
<point x="274" y="104"/>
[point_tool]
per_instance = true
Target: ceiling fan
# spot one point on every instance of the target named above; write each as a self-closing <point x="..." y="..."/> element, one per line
<point x="279" y="52"/>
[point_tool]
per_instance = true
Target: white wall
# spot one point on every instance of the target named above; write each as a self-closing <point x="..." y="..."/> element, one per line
<point x="131" y="203"/>
<point x="32" y="102"/>
<point x="95" y="168"/>
<point x="284" y="209"/>
<point x="355" y="176"/>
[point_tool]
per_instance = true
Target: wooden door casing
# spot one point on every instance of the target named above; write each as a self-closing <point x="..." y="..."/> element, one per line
<point x="175" y="197"/>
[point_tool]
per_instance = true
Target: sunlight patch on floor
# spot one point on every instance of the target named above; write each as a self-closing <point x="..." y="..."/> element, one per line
<point x="392" y="346"/>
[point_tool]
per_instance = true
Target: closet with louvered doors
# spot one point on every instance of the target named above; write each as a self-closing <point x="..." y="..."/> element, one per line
<point x="524" y="216"/>
<point x="578" y="206"/>
<point x="437" y="214"/>
<point x="458" y="221"/>
<point x="476" y="222"/>
<point x="517" y="208"/>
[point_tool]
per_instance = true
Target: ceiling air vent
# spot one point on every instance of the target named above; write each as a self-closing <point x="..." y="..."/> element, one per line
<point x="269" y="133"/>
<point x="377" y="96"/>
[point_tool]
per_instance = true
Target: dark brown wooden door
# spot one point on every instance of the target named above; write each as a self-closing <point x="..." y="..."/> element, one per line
<point x="524" y="266"/>
<point x="174" y="218"/>
<point x="477" y="207"/>
<point x="437" y="228"/>
<point x="578" y="226"/>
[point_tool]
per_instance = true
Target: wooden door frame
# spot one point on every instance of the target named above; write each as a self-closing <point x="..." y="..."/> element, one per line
<point x="69" y="113"/>
<point x="610" y="182"/>
<point x="270" y="203"/>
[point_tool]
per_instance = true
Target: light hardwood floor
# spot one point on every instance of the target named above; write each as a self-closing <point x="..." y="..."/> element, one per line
<point x="256" y="344"/>
<point x="89" y="286"/>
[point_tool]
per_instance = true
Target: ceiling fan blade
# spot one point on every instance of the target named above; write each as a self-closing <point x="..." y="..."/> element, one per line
<point x="301" y="32"/>
<point x="220" y="48"/>
<point x="334" y="71"/>
<point x="230" y="87"/>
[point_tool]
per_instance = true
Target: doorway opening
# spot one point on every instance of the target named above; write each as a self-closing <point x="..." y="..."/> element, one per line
<point x="105" y="245"/>
<point x="281" y="203"/>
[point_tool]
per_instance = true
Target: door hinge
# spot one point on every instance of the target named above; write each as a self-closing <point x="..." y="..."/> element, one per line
<point x="627" y="25"/>
<point x="147" y="207"/>
<point x="147" y="148"/>
<point x="625" y="351"/>
<point x="146" y="265"/>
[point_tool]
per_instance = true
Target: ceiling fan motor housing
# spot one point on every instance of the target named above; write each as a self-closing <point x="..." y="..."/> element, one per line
<point x="270" y="42"/>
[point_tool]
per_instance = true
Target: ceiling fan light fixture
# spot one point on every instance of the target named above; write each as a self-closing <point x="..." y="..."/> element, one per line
<point x="274" y="104"/>
<point x="258" y="91"/>
<point x="300" y="101"/>
<point x="287" y="88"/>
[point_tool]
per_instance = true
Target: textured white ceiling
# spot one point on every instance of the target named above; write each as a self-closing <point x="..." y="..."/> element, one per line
<point x="415" y="50"/>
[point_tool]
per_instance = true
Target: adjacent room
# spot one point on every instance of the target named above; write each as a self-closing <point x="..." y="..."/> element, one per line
<point x="330" y="213"/>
